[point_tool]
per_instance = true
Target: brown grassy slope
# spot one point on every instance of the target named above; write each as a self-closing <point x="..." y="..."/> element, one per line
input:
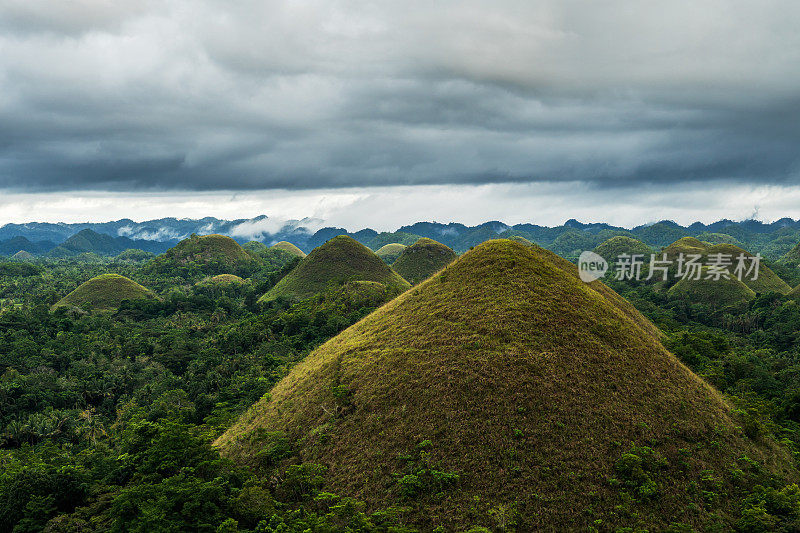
<point x="338" y="261"/>
<point x="529" y="383"/>
<point x="104" y="293"/>
<point x="423" y="259"/>
<point x="289" y="247"/>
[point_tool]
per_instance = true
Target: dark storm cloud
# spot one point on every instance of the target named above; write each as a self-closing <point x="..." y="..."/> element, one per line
<point x="212" y="94"/>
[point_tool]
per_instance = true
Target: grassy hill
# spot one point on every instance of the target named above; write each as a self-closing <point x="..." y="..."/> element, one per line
<point x="338" y="261"/>
<point x="422" y="259"/>
<point x="792" y="257"/>
<point x="104" y="293"/>
<point x="133" y="255"/>
<point x="504" y="386"/>
<point x="390" y="252"/>
<point x="719" y="238"/>
<point x="520" y="239"/>
<point x="767" y="280"/>
<point x="203" y="255"/>
<point x="22" y="255"/>
<point x="397" y="237"/>
<point x="289" y="247"/>
<point x="222" y="280"/>
<point x="612" y="248"/>
<point x="723" y="294"/>
<point x="686" y="245"/>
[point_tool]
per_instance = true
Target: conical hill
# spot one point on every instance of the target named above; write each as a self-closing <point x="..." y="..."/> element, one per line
<point x="422" y="259"/>
<point x="505" y="383"/>
<point x="338" y="261"/>
<point x="104" y="293"/>
<point x="289" y="247"/>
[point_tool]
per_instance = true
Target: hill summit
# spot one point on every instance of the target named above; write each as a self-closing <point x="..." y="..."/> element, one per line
<point x="340" y="260"/>
<point x="203" y="255"/>
<point x="792" y="257"/>
<point x="22" y="255"/>
<point x="767" y="280"/>
<point x="104" y="293"/>
<point x="390" y="252"/>
<point x="422" y="259"/>
<point x="289" y="247"/>
<point x="504" y="384"/>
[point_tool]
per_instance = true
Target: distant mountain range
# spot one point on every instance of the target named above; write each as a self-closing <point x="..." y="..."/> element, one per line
<point x="110" y="238"/>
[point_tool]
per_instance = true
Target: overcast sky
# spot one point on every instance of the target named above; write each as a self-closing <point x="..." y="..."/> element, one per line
<point x="514" y="109"/>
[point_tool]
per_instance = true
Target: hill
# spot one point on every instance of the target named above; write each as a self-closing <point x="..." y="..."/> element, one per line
<point x="338" y="261"/>
<point x="723" y="294"/>
<point x="505" y="386"/>
<point x="612" y="248"/>
<point x="719" y="238"/>
<point x="19" y="244"/>
<point x="390" y="252"/>
<point x="22" y="255"/>
<point x="222" y="280"/>
<point x="792" y="257"/>
<point x="89" y="241"/>
<point x="767" y="280"/>
<point x="422" y="259"/>
<point x="686" y="245"/>
<point x="289" y="247"/>
<point x="520" y="239"/>
<point x="204" y="255"/>
<point x="132" y="255"/>
<point x="104" y="293"/>
<point x="397" y="237"/>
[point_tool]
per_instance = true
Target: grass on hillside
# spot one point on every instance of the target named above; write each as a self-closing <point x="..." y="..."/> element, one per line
<point x="423" y="259"/>
<point x="792" y="257"/>
<point x="22" y="255"/>
<point x="390" y="252"/>
<point x="521" y="240"/>
<point x="767" y="280"/>
<point x="729" y="295"/>
<point x="289" y="247"/>
<point x="209" y="254"/>
<point x="222" y="279"/>
<point x="505" y="386"/>
<point x="104" y="293"/>
<point x="338" y="261"/>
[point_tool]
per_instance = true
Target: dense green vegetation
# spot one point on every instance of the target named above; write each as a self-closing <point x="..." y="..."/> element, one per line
<point x="107" y="419"/>
<point x="616" y="246"/>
